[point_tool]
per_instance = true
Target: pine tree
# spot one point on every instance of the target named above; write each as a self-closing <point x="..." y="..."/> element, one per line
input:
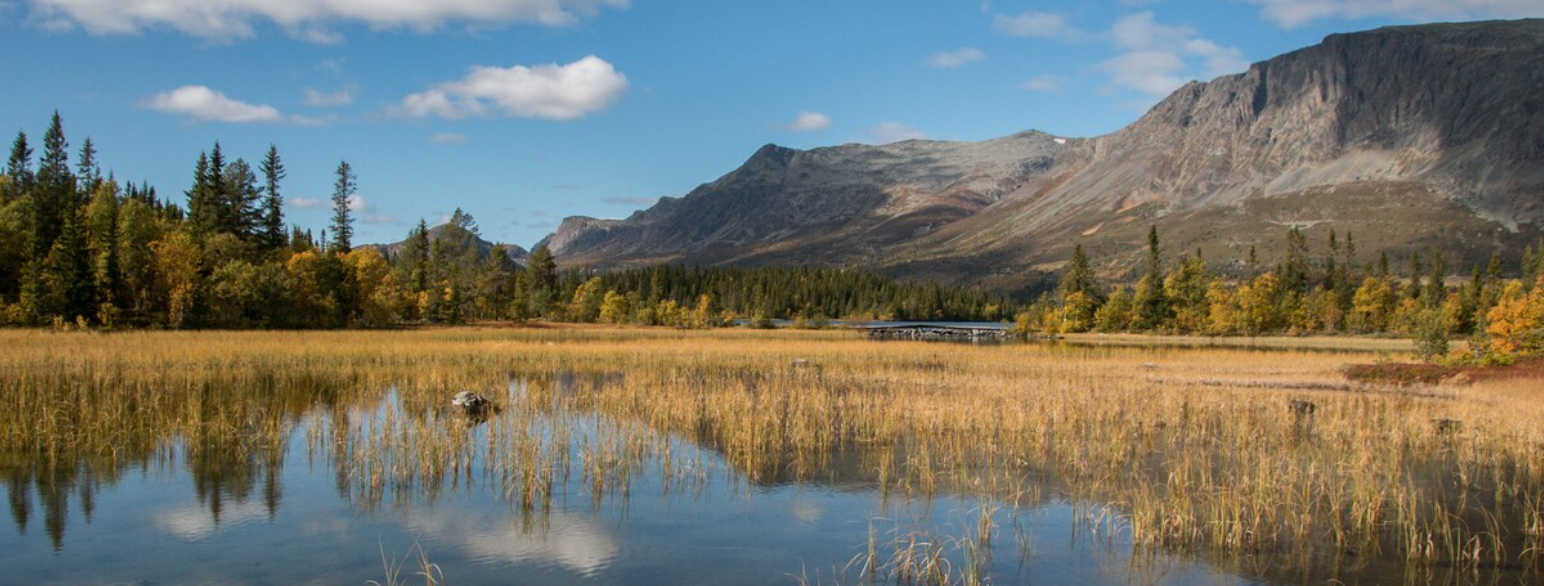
<point x="342" y="218"/>
<point x="19" y="169"/>
<point x="54" y="197"/>
<point x="89" y="172"/>
<point x="243" y="202"/>
<point x="69" y="268"/>
<point x="543" y="279"/>
<point x="272" y="237"/>
<point x="217" y="209"/>
<point x="1152" y="306"/>
<point x="1436" y="289"/>
<point x="199" y="198"/>
<point x="1079" y="277"/>
<point x="418" y="257"/>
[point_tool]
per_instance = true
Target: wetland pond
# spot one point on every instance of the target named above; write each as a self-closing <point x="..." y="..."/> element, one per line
<point x="658" y="457"/>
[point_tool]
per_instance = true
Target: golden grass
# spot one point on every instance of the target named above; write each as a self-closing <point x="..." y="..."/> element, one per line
<point x="1195" y="449"/>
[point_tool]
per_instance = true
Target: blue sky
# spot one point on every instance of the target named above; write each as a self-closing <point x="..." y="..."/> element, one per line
<point x="525" y="111"/>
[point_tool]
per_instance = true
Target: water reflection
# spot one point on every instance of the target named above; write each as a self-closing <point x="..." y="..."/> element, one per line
<point x="280" y="490"/>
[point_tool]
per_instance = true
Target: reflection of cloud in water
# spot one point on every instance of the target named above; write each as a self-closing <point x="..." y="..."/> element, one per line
<point x="807" y="512"/>
<point x="571" y="541"/>
<point x="194" y="522"/>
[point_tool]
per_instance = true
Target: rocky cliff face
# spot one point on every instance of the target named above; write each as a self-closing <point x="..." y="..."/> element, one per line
<point x="783" y="204"/>
<point x="1407" y="136"/>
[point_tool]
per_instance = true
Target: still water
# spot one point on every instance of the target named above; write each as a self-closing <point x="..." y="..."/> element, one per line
<point x="301" y="508"/>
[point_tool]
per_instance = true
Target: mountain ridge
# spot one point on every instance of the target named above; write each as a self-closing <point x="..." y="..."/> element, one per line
<point x="1364" y="132"/>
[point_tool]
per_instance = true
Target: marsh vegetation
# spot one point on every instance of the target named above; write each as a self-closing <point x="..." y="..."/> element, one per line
<point x="937" y="463"/>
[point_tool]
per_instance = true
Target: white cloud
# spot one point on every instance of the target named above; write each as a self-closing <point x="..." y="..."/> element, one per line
<point x="1292" y="13"/>
<point x="809" y="122"/>
<point x="552" y="91"/>
<point x="318" y="99"/>
<point x="1046" y="25"/>
<point x="888" y="132"/>
<point x="201" y="103"/>
<point x="367" y="213"/>
<point x="448" y="138"/>
<point x="956" y="58"/>
<point x="1154" y="55"/>
<point x="306" y="203"/>
<point x="1043" y="83"/>
<point x="225" y="20"/>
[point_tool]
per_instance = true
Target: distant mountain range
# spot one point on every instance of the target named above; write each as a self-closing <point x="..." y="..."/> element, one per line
<point x="1409" y="137"/>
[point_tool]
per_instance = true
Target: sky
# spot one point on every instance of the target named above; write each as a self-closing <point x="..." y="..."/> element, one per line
<point x="522" y="112"/>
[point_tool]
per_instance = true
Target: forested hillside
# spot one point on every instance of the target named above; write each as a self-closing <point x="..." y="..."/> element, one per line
<point x="78" y="248"/>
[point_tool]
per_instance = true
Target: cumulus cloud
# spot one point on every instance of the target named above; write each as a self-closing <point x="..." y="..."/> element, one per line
<point x="956" y="58"/>
<point x="552" y="91"/>
<point x="225" y="20"/>
<point x="1043" y="83"/>
<point x="306" y="203"/>
<point x="1292" y="13"/>
<point x="201" y="103"/>
<point x="368" y="213"/>
<point x="809" y="122"/>
<point x="1153" y="55"/>
<point x="448" y="138"/>
<point x="888" y="132"/>
<point x="318" y="99"/>
<point x="1045" y="25"/>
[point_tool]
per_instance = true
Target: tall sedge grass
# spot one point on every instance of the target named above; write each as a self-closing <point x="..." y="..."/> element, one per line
<point x="1191" y="451"/>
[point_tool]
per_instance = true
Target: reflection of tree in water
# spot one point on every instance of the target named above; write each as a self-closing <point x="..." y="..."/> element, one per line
<point x="233" y="446"/>
<point x="52" y="486"/>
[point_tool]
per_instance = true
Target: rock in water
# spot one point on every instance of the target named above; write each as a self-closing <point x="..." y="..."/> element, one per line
<point x="469" y="401"/>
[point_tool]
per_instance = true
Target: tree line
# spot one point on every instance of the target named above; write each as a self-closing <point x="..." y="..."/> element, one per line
<point x="80" y="249"/>
<point x="1307" y="294"/>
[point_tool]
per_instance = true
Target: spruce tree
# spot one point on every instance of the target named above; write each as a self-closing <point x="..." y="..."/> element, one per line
<point x="70" y="274"/>
<point x="418" y="257"/>
<point x="342" y="218"/>
<point x="1152" y="307"/>
<point x="19" y="169"/>
<point x="1436" y="289"/>
<point x="199" y="197"/>
<point x="543" y="278"/>
<point x="1079" y="277"/>
<point x="243" y="202"/>
<point x="273" y="237"/>
<point x="89" y="172"/>
<point x="54" y="196"/>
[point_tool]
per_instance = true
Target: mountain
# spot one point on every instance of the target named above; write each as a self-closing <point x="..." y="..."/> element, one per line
<point x="514" y="253"/>
<point x="1409" y="137"/>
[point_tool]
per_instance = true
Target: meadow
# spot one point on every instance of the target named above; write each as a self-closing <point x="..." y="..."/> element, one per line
<point x="1266" y="462"/>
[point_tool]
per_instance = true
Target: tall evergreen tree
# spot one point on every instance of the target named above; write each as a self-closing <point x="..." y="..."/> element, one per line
<point x="89" y="173"/>
<point x="273" y="237"/>
<point x="1079" y="277"/>
<point x="19" y="169"/>
<point x="1152" y="306"/>
<point x="54" y="196"/>
<point x="342" y="217"/>
<point x="1436" y="288"/>
<point x="243" y="202"/>
<point x="199" y="199"/>
<point x="418" y="257"/>
<point x="69" y="269"/>
<point x="543" y="278"/>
